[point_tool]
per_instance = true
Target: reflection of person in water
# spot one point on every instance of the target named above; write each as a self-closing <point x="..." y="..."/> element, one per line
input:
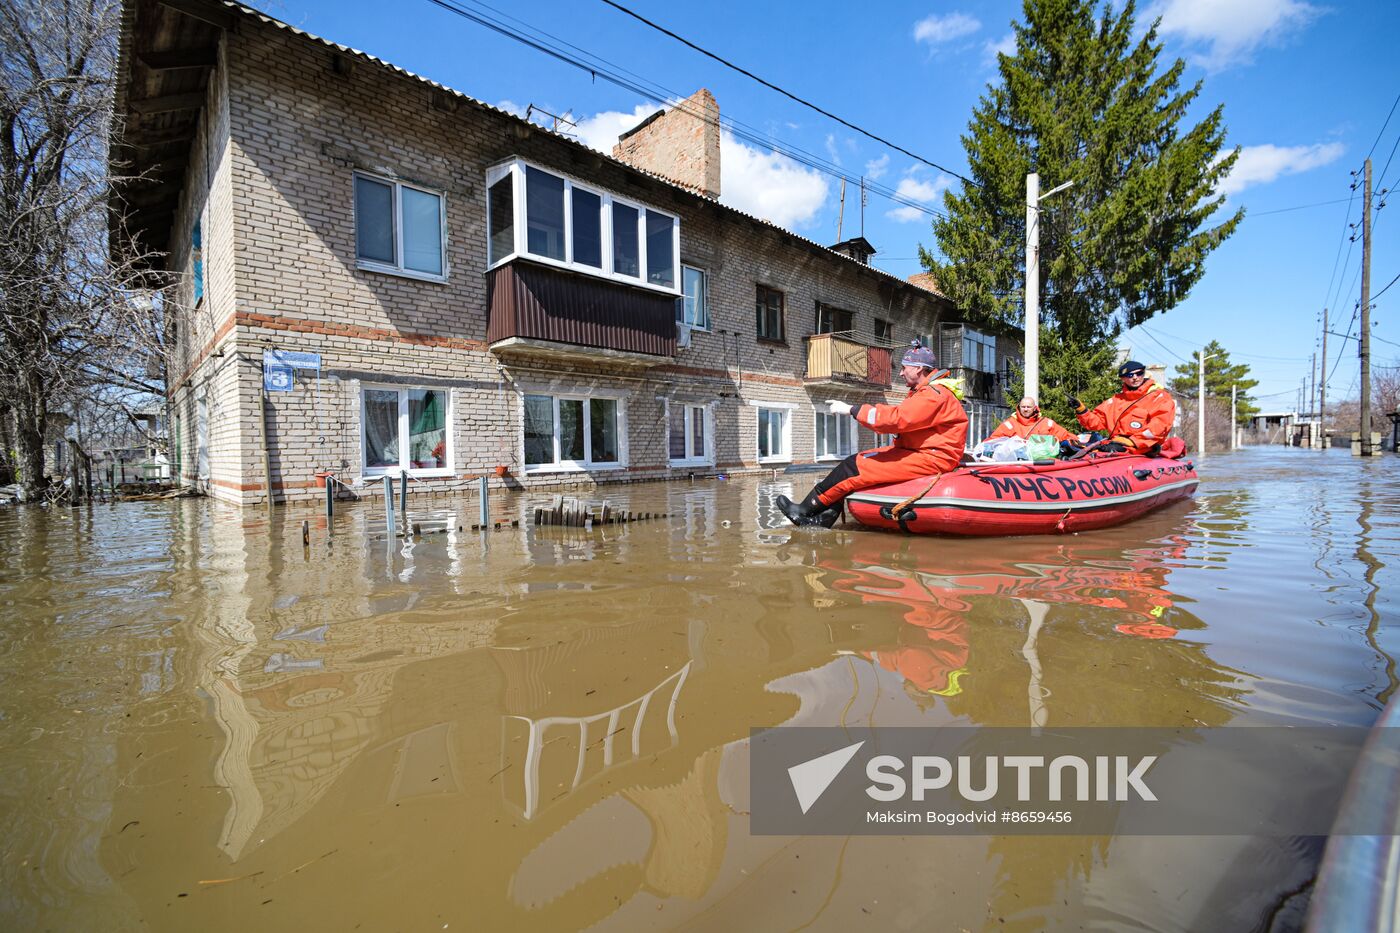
<point x="931" y="653"/>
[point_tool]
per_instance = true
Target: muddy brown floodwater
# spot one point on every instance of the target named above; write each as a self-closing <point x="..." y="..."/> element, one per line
<point x="204" y="726"/>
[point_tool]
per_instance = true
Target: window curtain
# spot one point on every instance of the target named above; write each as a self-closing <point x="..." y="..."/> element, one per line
<point x="427" y="429"/>
<point x="381" y="418"/>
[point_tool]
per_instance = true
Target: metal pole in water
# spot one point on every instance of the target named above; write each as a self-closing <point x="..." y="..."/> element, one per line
<point x="403" y="501"/>
<point x="389" y="505"/>
<point x="482" y="501"/>
<point x="330" y="501"/>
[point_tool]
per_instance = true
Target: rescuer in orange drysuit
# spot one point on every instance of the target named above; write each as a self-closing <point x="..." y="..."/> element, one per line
<point x="931" y="432"/>
<point x="1027" y="420"/>
<point x="1137" y="419"/>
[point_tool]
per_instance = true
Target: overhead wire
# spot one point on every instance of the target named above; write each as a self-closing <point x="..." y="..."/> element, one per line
<point x="786" y="93"/>
<point x="665" y="97"/>
<point x="1383" y="125"/>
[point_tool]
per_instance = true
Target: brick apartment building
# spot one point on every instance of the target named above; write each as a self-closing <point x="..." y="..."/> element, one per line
<point x="377" y="273"/>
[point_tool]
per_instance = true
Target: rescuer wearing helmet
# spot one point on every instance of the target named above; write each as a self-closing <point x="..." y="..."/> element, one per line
<point x="930" y="428"/>
<point x="1135" y="420"/>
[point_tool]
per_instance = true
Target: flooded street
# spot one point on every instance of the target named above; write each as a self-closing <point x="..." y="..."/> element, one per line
<point x="206" y="726"/>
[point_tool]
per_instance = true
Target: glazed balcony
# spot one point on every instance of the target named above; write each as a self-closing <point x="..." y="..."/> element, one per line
<point x="543" y="313"/>
<point x="837" y="359"/>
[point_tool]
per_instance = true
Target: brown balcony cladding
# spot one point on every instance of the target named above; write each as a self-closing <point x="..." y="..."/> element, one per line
<point x="538" y="303"/>
<point x="835" y="360"/>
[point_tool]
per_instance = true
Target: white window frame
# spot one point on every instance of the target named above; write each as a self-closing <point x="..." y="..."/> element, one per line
<point x="587" y="464"/>
<point x="986" y="345"/>
<point x="844" y="424"/>
<point x="515" y="169"/>
<point x="688" y="412"/>
<point x="704" y="299"/>
<point x="368" y="471"/>
<point x="397" y="267"/>
<point x="786" y="408"/>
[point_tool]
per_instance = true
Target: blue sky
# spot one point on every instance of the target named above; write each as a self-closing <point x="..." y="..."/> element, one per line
<point x="1306" y="86"/>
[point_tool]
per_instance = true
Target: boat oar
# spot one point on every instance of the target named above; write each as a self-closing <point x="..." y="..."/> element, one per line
<point x="1084" y="450"/>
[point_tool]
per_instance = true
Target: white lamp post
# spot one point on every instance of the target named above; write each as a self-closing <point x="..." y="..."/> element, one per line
<point x="1033" y="199"/>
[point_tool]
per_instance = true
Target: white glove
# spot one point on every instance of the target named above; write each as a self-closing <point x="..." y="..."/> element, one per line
<point x="838" y="408"/>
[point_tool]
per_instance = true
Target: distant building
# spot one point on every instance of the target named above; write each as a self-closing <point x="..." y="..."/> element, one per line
<point x="380" y="275"/>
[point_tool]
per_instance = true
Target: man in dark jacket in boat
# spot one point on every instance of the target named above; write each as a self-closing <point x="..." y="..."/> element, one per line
<point x="930" y="428"/>
<point x="1137" y="419"/>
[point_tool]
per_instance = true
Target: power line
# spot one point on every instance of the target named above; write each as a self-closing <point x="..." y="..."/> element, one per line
<point x="666" y="98"/>
<point x="1387" y="285"/>
<point x="1378" y="135"/>
<point x="1296" y="207"/>
<point x="788" y="94"/>
<point x="1159" y="343"/>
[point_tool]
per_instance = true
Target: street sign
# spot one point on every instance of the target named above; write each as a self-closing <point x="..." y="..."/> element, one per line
<point x="291" y="358"/>
<point x="277" y="378"/>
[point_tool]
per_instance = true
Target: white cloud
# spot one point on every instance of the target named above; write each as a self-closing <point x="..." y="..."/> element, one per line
<point x="1228" y="33"/>
<point x="937" y="29"/>
<point x="601" y="130"/>
<point x="877" y="167"/>
<point x="769" y="185"/>
<point x="1259" y="165"/>
<point x="831" y="152"/>
<point x="1006" y="45"/>
<point x="913" y="188"/>
<point x="510" y="106"/>
<point x="756" y="181"/>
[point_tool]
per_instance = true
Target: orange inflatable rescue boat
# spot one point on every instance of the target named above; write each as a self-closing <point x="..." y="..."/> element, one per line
<point x="1022" y="498"/>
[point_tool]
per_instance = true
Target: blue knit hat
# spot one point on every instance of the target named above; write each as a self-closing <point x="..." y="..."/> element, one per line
<point x="918" y="355"/>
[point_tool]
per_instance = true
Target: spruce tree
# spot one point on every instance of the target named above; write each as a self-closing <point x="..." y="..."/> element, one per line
<point x="1221" y="374"/>
<point x="1081" y="100"/>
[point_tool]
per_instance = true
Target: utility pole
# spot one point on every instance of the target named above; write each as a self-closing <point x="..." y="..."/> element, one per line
<point x="1032" y="341"/>
<point x="1322" y="388"/>
<point x="1365" y="344"/>
<point x="1233" y="429"/>
<point x="1201" y="401"/>
<point x="1312" y="389"/>
<point x="862" y="205"/>
<point x="841" y="213"/>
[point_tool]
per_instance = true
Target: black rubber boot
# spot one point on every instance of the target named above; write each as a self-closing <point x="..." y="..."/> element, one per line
<point x="809" y="511"/>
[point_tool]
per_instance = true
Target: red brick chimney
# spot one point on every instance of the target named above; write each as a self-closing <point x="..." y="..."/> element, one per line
<point x="678" y="144"/>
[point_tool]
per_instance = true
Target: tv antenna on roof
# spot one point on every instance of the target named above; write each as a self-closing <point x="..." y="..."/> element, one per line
<point x="557" y="119"/>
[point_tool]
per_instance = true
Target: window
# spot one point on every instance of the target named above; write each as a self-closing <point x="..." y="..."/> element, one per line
<point x="770" y="313"/>
<point x="835" y="436"/>
<point x="692" y="309"/>
<point x="686" y="435"/>
<point x="979" y="351"/>
<point x="500" y="211"/>
<point x="197" y="258"/>
<point x="405" y="430"/>
<point x="774" y="435"/>
<point x="551" y="218"/>
<point x="587" y="210"/>
<point x="884" y="332"/>
<point x="661" y="260"/>
<point x="544" y="214"/>
<point x="624" y="240"/>
<point x="833" y="320"/>
<point x="572" y="432"/>
<point x="398" y="228"/>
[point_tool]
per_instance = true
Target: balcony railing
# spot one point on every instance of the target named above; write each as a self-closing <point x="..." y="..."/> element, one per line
<point x="536" y="311"/>
<point x="835" y="359"/>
